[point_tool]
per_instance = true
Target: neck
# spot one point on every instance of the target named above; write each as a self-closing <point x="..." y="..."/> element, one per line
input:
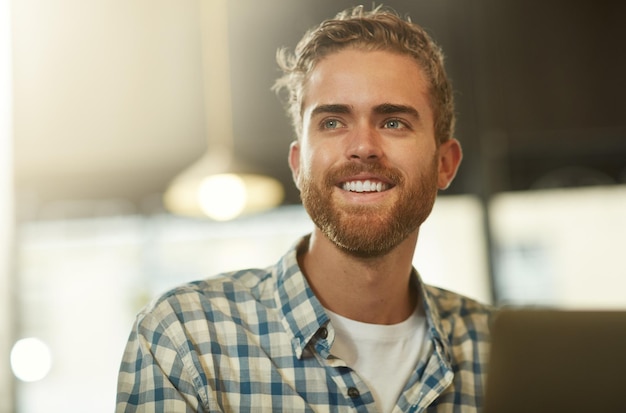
<point x="371" y="290"/>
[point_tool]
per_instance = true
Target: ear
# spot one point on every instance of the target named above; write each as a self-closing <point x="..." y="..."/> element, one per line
<point x="450" y="155"/>
<point x="294" y="161"/>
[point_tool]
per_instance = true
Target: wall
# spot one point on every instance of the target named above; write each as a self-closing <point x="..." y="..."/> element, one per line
<point x="6" y="208"/>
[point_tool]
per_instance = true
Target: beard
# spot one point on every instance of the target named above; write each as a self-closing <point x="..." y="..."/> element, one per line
<point x="368" y="231"/>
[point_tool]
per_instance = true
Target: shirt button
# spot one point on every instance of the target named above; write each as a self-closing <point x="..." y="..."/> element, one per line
<point x="322" y="333"/>
<point x="353" y="392"/>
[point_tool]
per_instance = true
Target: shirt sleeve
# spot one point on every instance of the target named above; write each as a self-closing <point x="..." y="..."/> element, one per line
<point x="153" y="377"/>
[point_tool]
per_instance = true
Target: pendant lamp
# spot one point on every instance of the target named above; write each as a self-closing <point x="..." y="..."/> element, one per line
<point x="217" y="185"/>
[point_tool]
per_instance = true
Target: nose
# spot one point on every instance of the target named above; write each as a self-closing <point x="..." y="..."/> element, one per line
<point x="365" y="145"/>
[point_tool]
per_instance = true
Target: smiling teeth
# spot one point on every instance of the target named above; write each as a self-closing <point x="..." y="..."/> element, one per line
<point x="364" y="186"/>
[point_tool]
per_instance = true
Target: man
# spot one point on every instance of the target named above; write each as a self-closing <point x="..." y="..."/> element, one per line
<point x="342" y="322"/>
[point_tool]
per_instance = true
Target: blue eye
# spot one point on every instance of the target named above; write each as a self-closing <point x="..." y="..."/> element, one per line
<point x="394" y="124"/>
<point x="331" y="124"/>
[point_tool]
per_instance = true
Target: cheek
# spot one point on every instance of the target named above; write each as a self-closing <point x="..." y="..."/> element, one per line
<point x="419" y="164"/>
<point x="315" y="160"/>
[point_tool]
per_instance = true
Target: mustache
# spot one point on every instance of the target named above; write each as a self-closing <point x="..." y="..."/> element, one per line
<point x="349" y="169"/>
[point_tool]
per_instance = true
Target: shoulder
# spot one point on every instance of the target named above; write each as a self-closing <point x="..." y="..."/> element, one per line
<point x="463" y="326"/>
<point x="458" y="311"/>
<point x="450" y="303"/>
<point x="216" y="297"/>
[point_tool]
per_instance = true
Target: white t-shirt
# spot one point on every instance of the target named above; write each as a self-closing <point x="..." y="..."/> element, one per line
<point x="384" y="356"/>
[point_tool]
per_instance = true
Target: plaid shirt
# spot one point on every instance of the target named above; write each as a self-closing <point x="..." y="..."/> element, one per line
<point x="259" y="340"/>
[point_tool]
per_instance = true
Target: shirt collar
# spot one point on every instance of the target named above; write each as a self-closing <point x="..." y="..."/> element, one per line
<point x="303" y="314"/>
<point x="434" y="318"/>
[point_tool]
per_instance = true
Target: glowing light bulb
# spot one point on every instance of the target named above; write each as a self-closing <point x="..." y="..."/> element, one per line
<point x="222" y="197"/>
<point x="31" y="359"/>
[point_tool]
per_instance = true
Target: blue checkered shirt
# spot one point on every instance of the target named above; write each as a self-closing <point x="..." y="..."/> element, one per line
<point x="259" y="341"/>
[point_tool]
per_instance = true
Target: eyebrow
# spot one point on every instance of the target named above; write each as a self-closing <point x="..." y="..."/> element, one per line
<point x="391" y="108"/>
<point x="382" y="109"/>
<point x="334" y="108"/>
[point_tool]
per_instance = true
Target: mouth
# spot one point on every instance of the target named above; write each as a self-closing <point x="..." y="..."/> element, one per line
<point x="365" y="186"/>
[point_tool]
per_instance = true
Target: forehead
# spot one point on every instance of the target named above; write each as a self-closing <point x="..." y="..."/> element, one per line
<point x="358" y="77"/>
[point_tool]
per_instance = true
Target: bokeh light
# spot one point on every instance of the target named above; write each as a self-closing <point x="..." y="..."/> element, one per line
<point x="222" y="197"/>
<point x="31" y="359"/>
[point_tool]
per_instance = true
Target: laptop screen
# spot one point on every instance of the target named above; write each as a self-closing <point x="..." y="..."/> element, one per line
<point x="557" y="361"/>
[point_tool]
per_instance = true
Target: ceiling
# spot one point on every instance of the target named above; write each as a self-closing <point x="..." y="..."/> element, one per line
<point x="109" y="105"/>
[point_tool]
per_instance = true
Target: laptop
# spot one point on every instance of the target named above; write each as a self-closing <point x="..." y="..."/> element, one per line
<point x="552" y="361"/>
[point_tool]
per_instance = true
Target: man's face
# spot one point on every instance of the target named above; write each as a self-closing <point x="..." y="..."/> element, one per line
<point x="367" y="164"/>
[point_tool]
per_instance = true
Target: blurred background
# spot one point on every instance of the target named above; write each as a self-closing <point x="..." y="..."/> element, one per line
<point x="112" y="112"/>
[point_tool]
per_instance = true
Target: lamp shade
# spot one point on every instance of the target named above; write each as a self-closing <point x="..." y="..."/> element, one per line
<point x="216" y="185"/>
<point x="219" y="188"/>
